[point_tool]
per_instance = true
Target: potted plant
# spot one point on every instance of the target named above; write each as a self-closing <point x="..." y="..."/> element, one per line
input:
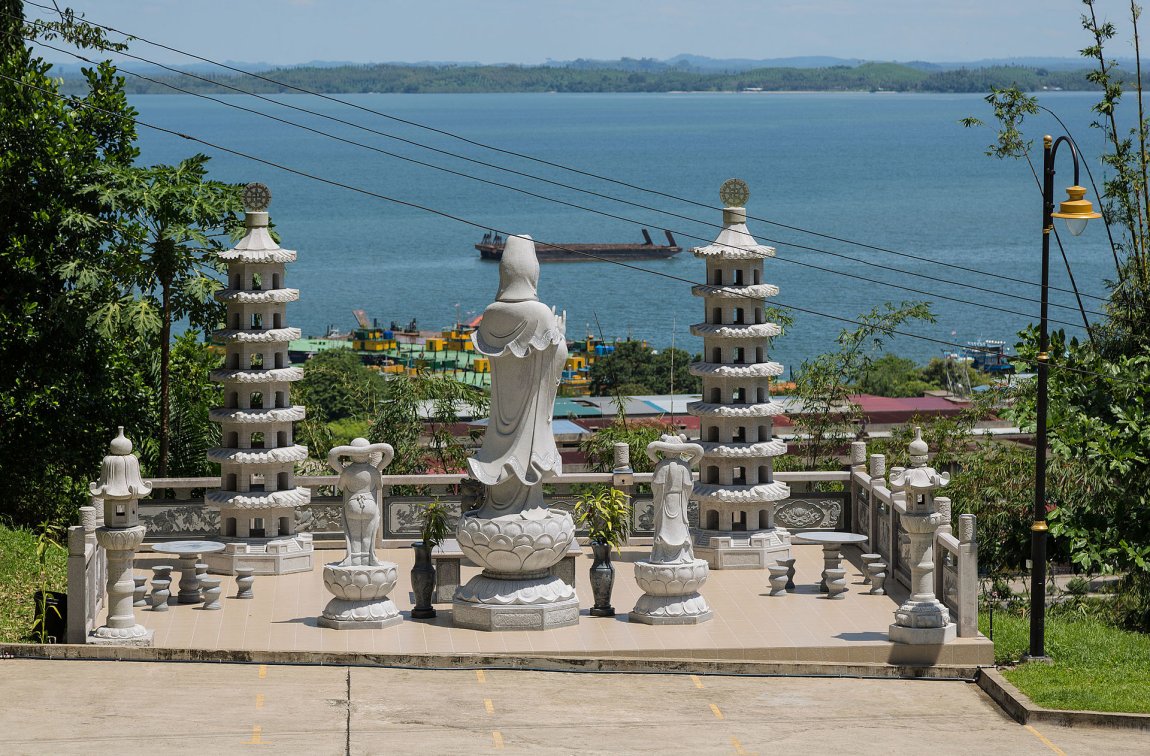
<point x="434" y="528"/>
<point x="606" y="513"/>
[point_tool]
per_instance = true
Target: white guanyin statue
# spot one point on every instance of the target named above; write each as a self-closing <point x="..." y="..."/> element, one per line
<point x="671" y="486"/>
<point x="672" y="576"/>
<point x="512" y="535"/>
<point x="526" y="344"/>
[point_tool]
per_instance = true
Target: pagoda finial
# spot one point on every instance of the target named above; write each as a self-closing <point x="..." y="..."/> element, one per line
<point x="734" y="193"/>
<point x="257" y="197"/>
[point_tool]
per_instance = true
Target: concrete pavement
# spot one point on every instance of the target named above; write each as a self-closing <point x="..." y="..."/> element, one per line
<point x="73" y="707"/>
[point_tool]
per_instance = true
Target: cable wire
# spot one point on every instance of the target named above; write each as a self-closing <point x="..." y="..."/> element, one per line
<point x="320" y="132"/>
<point x="76" y="102"/>
<point x="552" y="164"/>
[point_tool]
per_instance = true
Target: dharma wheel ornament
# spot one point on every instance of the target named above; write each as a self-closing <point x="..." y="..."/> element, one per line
<point x="734" y="193"/>
<point x="257" y="197"/>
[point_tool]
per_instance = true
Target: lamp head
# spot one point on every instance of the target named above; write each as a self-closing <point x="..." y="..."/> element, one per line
<point x="1076" y="210"/>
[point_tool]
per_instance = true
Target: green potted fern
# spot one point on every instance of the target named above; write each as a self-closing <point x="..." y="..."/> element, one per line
<point x="434" y="528"/>
<point x="606" y="514"/>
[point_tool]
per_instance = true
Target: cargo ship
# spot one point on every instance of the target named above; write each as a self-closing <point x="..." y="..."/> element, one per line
<point x="491" y="248"/>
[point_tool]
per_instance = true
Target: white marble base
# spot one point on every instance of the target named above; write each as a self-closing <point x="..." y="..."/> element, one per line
<point x="270" y="556"/>
<point x="342" y="614"/>
<point x="755" y="550"/>
<point x="491" y="617"/>
<point x="922" y="636"/>
<point x="136" y="636"/>
<point x="671" y="610"/>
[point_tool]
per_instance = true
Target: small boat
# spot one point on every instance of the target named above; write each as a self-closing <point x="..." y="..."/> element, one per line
<point x="491" y="248"/>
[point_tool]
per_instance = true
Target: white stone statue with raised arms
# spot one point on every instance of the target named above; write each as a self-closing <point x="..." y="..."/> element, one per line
<point x="672" y="576"/>
<point x="512" y="535"/>
<point x="360" y="582"/>
<point x="360" y="482"/>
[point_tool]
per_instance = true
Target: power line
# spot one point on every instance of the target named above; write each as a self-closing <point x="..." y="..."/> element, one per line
<point x="560" y="166"/>
<point x="320" y="132"/>
<point x="76" y="102"/>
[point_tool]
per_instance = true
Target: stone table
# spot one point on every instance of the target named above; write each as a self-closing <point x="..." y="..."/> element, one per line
<point x="831" y="541"/>
<point x="189" y="553"/>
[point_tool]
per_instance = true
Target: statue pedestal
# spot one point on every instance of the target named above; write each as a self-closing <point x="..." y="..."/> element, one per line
<point x="671" y="594"/>
<point x="731" y="550"/>
<point x="516" y="591"/>
<point x="922" y="623"/>
<point x="360" y="596"/>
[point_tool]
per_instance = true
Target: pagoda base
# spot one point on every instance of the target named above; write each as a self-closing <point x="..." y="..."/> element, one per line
<point x="491" y="617"/>
<point x="265" y="556"/>
<point x="731" y="550"/>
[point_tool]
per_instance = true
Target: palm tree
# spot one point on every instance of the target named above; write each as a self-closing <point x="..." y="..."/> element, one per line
<point x="173" y="220"/>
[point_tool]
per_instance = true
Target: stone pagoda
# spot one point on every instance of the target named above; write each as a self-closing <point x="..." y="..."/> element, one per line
<point x="736" y="492"/>
<point x="258" y="497"/>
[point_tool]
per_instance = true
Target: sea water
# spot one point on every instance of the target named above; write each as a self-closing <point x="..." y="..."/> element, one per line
<point x="888" y="170"/>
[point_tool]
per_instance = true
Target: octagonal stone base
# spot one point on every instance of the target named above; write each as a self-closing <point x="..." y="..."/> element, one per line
<point x="492" y="617"/>
<point x="266" y="556"/>
<point x="730" y="550"/>
<point x="922" y="636"/>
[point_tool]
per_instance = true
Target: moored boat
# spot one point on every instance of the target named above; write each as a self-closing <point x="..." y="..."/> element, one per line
<point x="491" y="248"/>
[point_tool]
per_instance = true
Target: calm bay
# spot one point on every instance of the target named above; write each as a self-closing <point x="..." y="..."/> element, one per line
<point x="894" y="171"/>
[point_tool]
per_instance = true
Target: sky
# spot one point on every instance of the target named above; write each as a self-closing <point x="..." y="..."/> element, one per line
<point x="533" y="31"/>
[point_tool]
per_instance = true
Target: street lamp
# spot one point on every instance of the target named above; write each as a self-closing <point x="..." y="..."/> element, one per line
<point x="1076" y="211"/>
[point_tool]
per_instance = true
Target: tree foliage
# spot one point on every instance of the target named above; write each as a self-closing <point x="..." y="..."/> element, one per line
<point x="64" y="387"/>
<point x="825" y="383"/>
<point x="639" y="369"/>
<point x="1099" y="390"/>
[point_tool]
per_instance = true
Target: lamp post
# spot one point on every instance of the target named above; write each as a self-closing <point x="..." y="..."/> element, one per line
<point x="1076" y="211"/>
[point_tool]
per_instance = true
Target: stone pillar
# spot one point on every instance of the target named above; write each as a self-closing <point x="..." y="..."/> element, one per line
<point x="121" y="487"/>
<point x="967" y="577"/>
<point x="922" y="619"/>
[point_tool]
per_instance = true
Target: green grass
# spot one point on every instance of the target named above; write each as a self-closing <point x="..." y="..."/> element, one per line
<point x="1096" y="667"/>
<point x="20" y="577"/>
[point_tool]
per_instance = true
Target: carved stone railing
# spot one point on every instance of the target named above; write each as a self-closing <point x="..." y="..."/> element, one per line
<point x="878" y="512"/>
<point x="87" y="575"/>
<point x="956" y="574"/>
<point x="179" y="515"/>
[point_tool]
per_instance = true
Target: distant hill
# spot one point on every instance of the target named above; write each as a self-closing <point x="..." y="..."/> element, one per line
<point x="683" y="73"/>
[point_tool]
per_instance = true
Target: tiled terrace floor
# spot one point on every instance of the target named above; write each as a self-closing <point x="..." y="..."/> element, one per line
<point x="749" y="624"/>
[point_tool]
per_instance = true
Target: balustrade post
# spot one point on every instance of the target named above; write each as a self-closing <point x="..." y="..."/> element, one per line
<point x="967" y="577"/>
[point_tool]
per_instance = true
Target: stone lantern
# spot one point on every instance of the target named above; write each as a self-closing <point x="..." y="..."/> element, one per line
<point x="258" y="497"/>
<point x="120" y="486"/>
<point x="922" y="619"/>
<point x="737" y="492"/>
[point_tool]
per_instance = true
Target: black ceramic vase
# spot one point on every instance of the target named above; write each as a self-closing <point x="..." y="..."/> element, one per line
<point x="602" y="580"/>
<point x="422" y="581"/>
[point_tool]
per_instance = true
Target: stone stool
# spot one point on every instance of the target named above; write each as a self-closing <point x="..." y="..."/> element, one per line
<point x="836" y="582"/>
<point x="160" y="594"/>
<point x="790" y="563"/>
<point x="210" y="587"/>
<point x="877" y="573"/>
<point x="201" y="573"/>
<point x="140" y="590"/>
<point x="779" y="575"/>
<point x="866" y="560"/>
<point x="161" y="572"/>
<point x="244" y="581"/>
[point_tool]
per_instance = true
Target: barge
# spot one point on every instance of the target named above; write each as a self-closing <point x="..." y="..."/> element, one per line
<point x="491" y="248"/>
